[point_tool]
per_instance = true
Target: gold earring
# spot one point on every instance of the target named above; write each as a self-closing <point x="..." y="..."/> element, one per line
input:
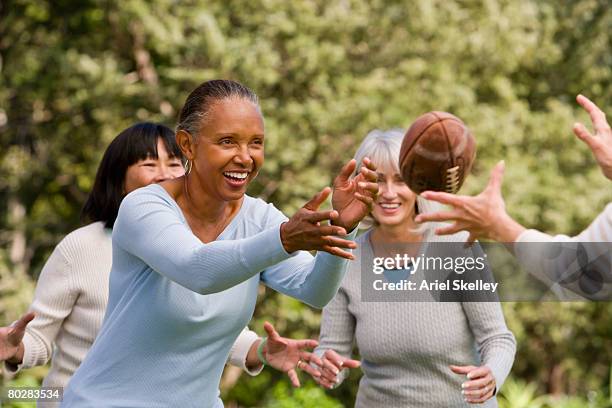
<point x="188" y="166"/>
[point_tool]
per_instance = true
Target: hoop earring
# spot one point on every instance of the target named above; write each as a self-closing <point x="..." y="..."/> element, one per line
<point x="188" y="165"/>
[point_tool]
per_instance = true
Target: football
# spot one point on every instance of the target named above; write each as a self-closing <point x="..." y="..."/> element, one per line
<point x="437" y="153"/>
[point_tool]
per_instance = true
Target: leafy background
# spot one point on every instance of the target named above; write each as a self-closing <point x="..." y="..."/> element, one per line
<point x="73" y="73"/>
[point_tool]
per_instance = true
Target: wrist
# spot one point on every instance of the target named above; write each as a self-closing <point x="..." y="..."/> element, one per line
<point x="506" y="229"/>
<point x="262" y="350"/>
<point x="283" y="239"/>
<point x="252" y="360"/>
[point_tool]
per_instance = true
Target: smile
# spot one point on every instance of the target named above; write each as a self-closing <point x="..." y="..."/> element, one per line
<point x="236" y="175"/>
<point x="389" y="206"/>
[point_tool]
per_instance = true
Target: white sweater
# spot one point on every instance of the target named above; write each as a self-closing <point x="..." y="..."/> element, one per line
<point x="562" y="274"/>
<point x="69" y="303"/>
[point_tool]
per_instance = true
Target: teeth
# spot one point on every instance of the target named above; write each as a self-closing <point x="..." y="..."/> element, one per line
<point x="390" y="206"/>
<point x="233" y="174"/>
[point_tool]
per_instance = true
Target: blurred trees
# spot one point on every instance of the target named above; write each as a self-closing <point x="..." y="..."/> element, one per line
<point x="75" y="73"/>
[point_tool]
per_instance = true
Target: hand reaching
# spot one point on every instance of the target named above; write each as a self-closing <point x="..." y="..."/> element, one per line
<point x="287" y="354"/>
<point x="332" y="364"/>
<point x="483" y="215"/>
<point x="601" y="143"/>
<point x="11" y="347"/>
<point x="304" y="231"/>
<point x="353" y="198"/>
<point x="481" y="385"/>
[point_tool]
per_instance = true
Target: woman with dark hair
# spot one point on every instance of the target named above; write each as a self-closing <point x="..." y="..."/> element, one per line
<point x="189" y="255"/>
<point x="72" y="289"/>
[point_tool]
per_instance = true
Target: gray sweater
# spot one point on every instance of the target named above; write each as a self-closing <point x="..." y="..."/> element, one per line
<point x="406" y="347"/>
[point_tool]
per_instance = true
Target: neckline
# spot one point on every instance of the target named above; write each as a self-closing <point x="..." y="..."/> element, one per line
<point x="423" y="248"/>
<point x="227" y="230"/>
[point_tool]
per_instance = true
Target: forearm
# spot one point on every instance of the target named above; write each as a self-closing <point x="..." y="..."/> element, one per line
<point x="313" y="281"/>
<point x="324" y="279"/>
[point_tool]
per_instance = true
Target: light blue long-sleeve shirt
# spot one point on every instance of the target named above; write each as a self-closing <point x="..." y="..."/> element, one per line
<point x="176" y="305"/>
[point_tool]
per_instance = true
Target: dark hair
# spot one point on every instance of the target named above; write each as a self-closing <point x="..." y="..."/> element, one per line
<point x="201" y="99"/>
<point x="135" y="143"/>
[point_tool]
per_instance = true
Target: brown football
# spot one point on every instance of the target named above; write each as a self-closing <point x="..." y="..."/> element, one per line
<point x="437" y="153"/>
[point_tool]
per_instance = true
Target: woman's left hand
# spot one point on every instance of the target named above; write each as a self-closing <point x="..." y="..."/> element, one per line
<point x="287" y="354"/>
<point x="481" y="385"/>
<point x="353" y="198"/>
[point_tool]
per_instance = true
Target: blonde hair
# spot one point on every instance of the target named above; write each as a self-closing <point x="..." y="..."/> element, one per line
<point x="383" y="149"/>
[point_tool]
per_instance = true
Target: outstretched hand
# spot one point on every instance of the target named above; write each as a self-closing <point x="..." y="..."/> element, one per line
<point x="353" y="197"/>
<point x="287" y="354"/>
<point x="11" y="347"/>
<point x="600" y="143"/>
<point x="483" y="216"/>
<point x="481" y="385"/>
<point x="304" y="231"/>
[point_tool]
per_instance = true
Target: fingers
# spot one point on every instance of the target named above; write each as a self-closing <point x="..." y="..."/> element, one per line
<point x="318" y="216"/>
<point x="598" y="117"/>
<point x="583" y="134"/>
<point x="18" y="328"/>
<point x="329" y="372"/>
<point x="313" y="372"/>
<point x="272" y="333"/>
<point x="481" y="384"/>
<point x="339" y="242"/>
<point x="461" y="369"/>
<point x="476" y="384"/>
<point x="368" y="163"/>
<point x="443" y="198"/>
<point x="346" y="171"/>
<point x="331" y="366"/>
<point x="319" y="198"/>
<point x="348" y="363"/>
<point x="274" y="339"/>
<point x="338" y="252"/>
<point x="482" y="396"/>
<point x="479" y="372"/>
<point x="332" y="230"/>
<point x="306" y="344"/>
<point x="369" y="201"/>
<point x="324" y="382"/>
<point x="293" y="377"/>
<point x="369" y="186"/>
<point x="334" y="358"/>
<point x="368" y="171"/>
<point x="497" y="177"/>
<point x="315" y="360"/>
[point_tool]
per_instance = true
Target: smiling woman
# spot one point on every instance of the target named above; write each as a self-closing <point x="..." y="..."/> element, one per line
<point x="189" y="254"/>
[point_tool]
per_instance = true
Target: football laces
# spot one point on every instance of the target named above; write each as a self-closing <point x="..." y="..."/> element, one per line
<point x="452" y="180"/>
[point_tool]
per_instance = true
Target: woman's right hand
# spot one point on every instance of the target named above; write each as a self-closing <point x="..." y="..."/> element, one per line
<point x="304" y="231"/>
<point x="333" y="363"/>
<point x="11" y="346"/>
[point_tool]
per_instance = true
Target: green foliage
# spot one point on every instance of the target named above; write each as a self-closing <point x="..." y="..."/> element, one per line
<point x="74" y="73"/>
<point x="519" y="394"/>
<point x="308" y="396"/>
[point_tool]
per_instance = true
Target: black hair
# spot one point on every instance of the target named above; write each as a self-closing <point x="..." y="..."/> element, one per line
<point x="201" y="99"/>
<point x="138" y="142"/>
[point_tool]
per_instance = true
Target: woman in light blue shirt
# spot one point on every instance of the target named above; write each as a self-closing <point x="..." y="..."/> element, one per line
<point x="188" y="255"/>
